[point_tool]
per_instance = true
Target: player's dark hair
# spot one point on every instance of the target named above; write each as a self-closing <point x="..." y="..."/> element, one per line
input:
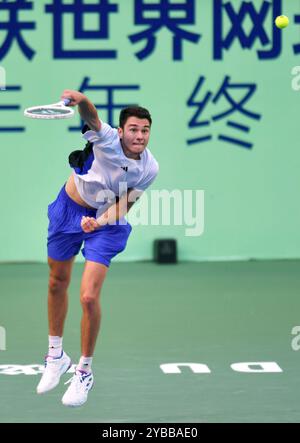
<point x="133" y="111"/>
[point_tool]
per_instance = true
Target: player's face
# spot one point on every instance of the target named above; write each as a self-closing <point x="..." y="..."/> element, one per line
<point x="135" y="136"/>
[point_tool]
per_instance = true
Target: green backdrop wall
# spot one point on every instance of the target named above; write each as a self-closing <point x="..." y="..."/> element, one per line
<point x="251" y="207"/>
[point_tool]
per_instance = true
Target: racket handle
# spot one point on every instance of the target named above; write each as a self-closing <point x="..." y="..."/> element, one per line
<point x="66" y="101"/>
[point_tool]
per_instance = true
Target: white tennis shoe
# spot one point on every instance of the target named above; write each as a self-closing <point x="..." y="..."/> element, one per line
<point x="77" y="392"/>
<point x="54" y="369"/>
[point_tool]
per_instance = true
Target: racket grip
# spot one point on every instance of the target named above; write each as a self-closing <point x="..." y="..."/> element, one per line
<point x="66" y="101"/>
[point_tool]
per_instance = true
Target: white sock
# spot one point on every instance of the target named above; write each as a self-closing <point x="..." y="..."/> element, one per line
<point x="55" y="346"/>
<point x="85" y="364"/>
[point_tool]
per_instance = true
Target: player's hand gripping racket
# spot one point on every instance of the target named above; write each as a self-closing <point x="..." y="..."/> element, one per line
<point x="50" y="112"/>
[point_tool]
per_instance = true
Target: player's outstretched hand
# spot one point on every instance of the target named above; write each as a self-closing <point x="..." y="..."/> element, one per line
<point x="89" y="224"/>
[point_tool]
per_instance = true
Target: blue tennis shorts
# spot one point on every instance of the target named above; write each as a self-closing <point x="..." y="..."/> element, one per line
<point x="65" y="235"/>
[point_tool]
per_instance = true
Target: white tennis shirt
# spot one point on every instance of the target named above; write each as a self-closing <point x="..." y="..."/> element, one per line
<point x="109" y="167"/>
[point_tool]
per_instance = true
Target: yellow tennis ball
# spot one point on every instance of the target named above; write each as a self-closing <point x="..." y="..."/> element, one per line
<point x="282" y="21"/>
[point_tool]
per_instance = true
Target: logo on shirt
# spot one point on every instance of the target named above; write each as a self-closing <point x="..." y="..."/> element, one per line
<point x="125" y="168"/>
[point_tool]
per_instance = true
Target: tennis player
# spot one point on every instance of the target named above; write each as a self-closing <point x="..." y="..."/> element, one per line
<point x="108" y="177"/>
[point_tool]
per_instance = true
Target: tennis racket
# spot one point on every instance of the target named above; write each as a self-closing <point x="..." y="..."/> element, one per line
<point x="50" y="112"/>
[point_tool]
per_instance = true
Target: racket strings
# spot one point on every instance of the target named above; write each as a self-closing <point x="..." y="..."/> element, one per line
<point x="49" y="111"/>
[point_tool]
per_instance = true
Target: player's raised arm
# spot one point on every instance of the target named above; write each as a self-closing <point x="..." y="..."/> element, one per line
<point x="86" y="108"/>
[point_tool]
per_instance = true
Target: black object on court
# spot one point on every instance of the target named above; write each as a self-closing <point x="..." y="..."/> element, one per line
<point x="165" y="251"/>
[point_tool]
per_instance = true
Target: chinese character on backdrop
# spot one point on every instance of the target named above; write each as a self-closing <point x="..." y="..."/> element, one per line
<point x="79" y="12"/>
<point x="8" y="108"/>
<point x="231" y="22"/>
<point x="235" y="108"/>
<point x="110" y="103"/>
<point x="14" y="27"/>
<point x="160" y="15"/>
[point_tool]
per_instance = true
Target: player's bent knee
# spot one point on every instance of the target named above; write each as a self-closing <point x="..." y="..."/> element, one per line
<point x="58" y="283"/>
<point x="88" y="300"/>
<point x="60" y="275"/>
